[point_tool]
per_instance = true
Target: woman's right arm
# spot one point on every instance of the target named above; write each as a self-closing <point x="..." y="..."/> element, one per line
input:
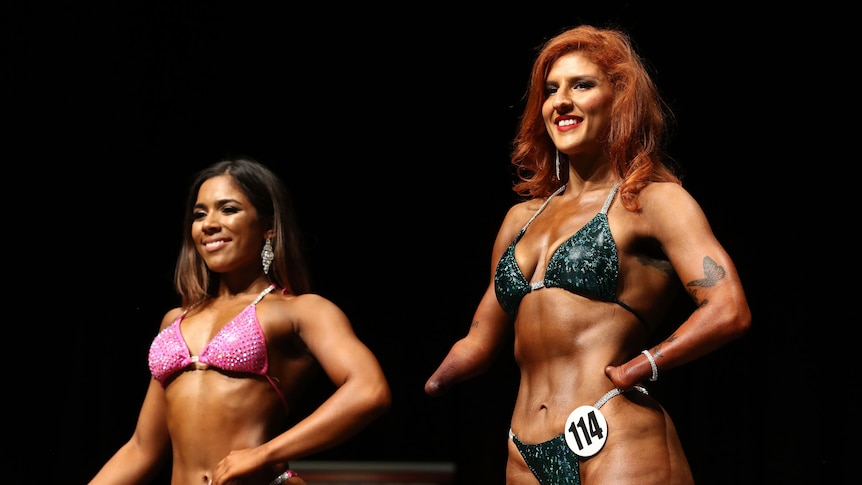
<point x="140" y="459"/>
<point x="473" y="354"/>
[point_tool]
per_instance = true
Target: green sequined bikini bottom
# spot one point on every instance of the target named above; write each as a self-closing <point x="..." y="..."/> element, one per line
<point x="552" y="462"/>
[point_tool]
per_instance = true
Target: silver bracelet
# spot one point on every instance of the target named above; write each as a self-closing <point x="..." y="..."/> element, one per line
<point x="652" y="364"/>
<point x="283" y="477"/>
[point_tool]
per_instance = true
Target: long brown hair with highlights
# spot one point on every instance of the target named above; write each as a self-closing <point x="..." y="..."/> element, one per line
<point x="267" y="193"/>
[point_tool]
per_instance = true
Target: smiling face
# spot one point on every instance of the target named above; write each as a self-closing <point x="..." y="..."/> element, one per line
<point x="226" y="229"/>
<point x="577" y="107"/>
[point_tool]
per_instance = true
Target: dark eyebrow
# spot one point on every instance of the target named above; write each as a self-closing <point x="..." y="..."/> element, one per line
<point x="219" y="203"/>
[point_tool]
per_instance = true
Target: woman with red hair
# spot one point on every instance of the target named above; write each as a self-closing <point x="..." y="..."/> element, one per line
<point x="584" y="272"/>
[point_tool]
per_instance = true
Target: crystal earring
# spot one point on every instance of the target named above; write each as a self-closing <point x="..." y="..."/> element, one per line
<point x="267" y="255"/>
<point x="557" y="164"/>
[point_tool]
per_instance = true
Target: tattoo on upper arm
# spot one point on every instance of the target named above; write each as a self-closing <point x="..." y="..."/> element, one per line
<point x="475" y="323"/>
<point x="712" y="272"/>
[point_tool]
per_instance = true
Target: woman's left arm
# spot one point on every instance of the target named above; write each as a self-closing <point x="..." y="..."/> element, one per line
<point x="709" y="276"/>
<point x="362" y="391"/>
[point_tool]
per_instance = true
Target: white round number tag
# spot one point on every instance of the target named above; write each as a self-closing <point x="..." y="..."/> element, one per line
<point x="586" y="431"/>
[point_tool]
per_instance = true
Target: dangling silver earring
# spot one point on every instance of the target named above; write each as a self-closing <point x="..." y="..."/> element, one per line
<point x="267" y="255"/>
<point x="557" y="164"/>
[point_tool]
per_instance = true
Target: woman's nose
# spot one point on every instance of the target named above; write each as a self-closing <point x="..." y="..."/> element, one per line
<point x="209" y="224"/>
<point x="562" y="103"/>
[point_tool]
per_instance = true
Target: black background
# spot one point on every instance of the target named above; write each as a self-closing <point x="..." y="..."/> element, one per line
<point x="392" y="128"/>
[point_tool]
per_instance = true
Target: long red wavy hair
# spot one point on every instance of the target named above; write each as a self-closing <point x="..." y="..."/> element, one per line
<point x="639" y="117"/>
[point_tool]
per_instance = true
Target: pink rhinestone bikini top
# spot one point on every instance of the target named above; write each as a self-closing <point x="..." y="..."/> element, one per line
<point x="240" y="346"/>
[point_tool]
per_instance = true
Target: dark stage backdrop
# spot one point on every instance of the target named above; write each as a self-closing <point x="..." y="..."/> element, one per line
<point x="392" y="129"/>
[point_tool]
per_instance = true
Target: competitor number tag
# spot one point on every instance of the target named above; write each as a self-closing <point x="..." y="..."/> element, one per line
<point x="586" y="431"/>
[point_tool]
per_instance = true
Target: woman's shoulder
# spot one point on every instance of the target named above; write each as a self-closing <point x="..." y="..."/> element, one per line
<point x="171" y="316"/>
<point x="663" y="189"/>
<point x="520" y="212"/>
<point x="665" y="196"/>
<point x="307" y="314"/>
<point x="303" y="304"/>
<point x="668" y="206"/>
<point x="516" y="218"/>
<point x="301" y="299"/>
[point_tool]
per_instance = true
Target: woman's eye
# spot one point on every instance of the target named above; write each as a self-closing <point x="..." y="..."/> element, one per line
<point x="582" y="85"/>
<point x="551" y="90"/>
<point x="229" y="209"/>
<point x="198" y="215"/>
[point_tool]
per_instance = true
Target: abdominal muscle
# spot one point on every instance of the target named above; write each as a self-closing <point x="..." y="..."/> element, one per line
<point x="210" y="414"/>
<point x="563" y="342"/>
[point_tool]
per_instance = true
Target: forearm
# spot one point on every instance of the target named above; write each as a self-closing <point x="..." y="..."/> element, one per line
<point x="464" y="361"/>
<point x="709" y="328"/>
<point x="352" y="407"/>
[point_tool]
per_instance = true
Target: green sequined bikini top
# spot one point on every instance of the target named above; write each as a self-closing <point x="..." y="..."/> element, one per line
<point x="585" y="264"/>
